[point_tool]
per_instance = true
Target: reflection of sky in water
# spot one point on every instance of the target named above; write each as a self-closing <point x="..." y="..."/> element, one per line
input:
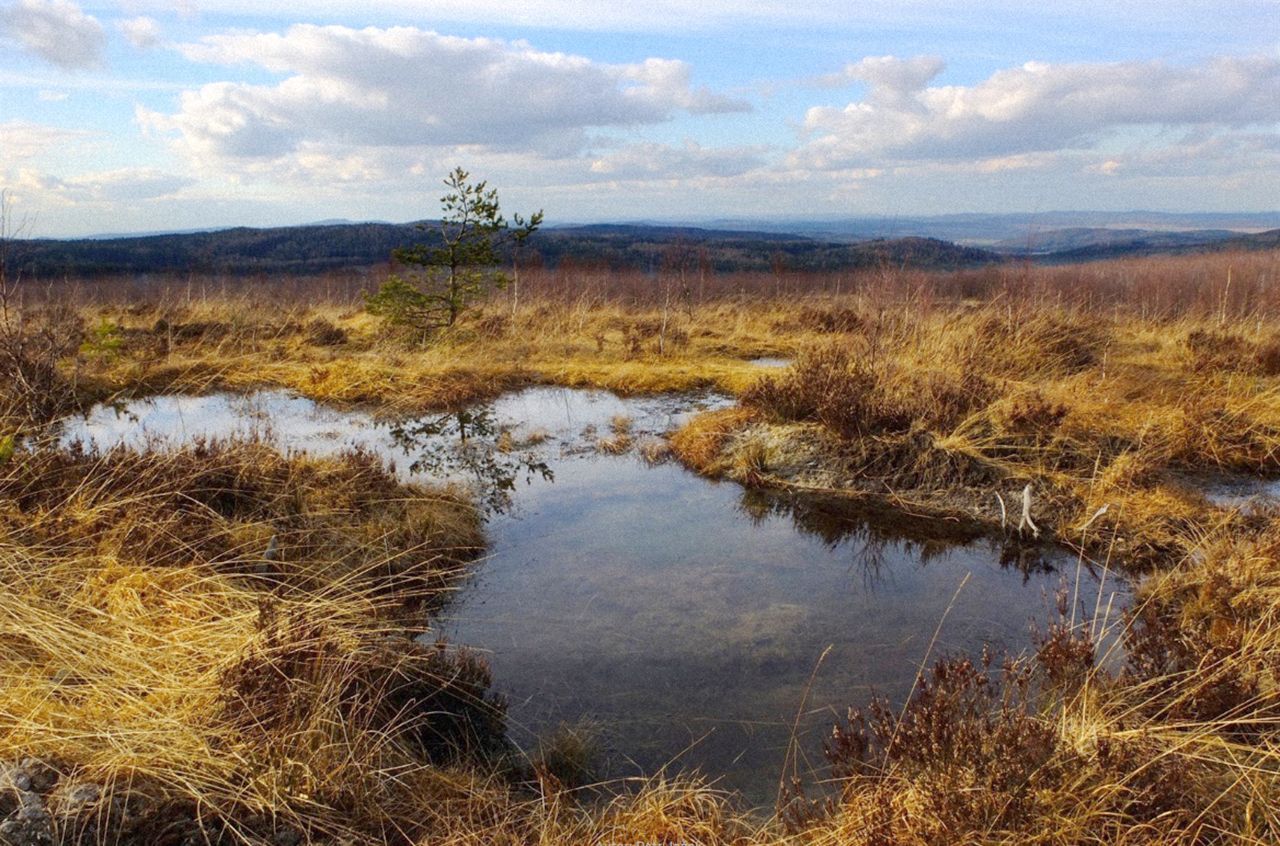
<point x="562" y="420"/>
<point x="684" y="616"/>
<point x="1247" y="494"/>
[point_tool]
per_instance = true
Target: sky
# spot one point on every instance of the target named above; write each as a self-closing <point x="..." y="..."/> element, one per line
<point x="138" y="115"/>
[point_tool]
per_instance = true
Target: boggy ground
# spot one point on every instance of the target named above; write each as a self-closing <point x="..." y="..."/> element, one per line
<point x="173" y="674"/>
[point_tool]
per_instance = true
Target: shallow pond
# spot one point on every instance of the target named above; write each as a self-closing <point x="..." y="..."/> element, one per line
<point x="682" y="620"/>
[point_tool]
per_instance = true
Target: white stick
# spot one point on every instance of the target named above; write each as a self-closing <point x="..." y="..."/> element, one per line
<point x="1096" y="515"/>
<point x="1026" y="513"/>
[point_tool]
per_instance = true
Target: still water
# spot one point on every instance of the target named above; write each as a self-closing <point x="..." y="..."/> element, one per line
<point x="680" y="621"/>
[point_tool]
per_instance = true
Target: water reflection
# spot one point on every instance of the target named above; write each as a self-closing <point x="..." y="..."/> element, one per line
<point x="872" y="531"/>
<point x="471" y="443"/>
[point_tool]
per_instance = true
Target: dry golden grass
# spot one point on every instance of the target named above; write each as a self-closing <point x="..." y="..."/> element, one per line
<point x="139" y="601"/>
<point x="147" y="645"/>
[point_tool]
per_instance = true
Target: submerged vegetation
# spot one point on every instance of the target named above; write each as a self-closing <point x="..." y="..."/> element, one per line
<point x="213" y="644"/>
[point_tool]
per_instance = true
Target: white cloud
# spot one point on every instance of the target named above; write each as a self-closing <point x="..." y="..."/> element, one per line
<point x="1248" y="155"/>
<point x="142" y="32"/>
<point x="21" y="140"/>
<point x="127" y="185"/>
<point x="662" y="15"/>
<point x="345" y="90"/>
<point x="660" y="161"/>
<point x="56" y="31"/>
<point x="890" y="78"/>
<point x="1036" y="107"/>
<point x="46" y="95"/>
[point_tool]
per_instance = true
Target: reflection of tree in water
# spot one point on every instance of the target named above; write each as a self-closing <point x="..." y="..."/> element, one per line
<point x="875" y="529"/>
<point x="470" y="443"/>
<point x="1028" y="559"/>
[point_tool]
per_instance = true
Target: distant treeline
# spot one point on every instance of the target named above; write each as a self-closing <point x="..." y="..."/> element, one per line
<point x="320" y="248"/>
<point x="1166" y="244"/>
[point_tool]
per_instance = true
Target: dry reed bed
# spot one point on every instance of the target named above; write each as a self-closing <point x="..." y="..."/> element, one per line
<point x="154" y="648"/>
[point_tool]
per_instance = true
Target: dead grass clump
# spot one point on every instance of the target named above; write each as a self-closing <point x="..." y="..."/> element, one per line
<point x="1027" y="421"/>
<point x="1211" y="349"/>
<point x="194" y="331"/>
<point x="1220" y="351"/>
<point x="1267" y="357"/>
<point x="619" y="439"/>
<point x="300" y="671"/>
<point x="190" y="679"/>
<point x="916" y="464"/>
<point x="700" y="443"/>
<point x="241" y="507"/>
<point x="175" y="707"/>
<point x="1133" y="469"/>
<point x="654" y="451"/>
<point x="1201" y="646"/>
<point x="1030" y="344"/>
<point x="322" y="333"/>
<point x="832" y="385"/>
<point x="1192" y="672"/>
<point x="669" y="812"/>
<point x="1218" y="426"/>
<point x="823" y="319"/>
<point x="941" y="400"/>
<point x="569" y="757"/>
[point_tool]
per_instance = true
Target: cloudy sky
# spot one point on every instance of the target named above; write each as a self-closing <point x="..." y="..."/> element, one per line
<point x="139" y="115"/>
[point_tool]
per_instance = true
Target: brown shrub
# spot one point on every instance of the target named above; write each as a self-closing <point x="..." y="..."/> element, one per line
<point x="941" y="400"/>
<point x="1154" y="786"/>
<point x="1267" y="357"/>
<point x="1065" y="650"/>
<point x="828" y="384"/>
<point x="33" y="389"/>
<point x="322" y="333"/>
<point x="973" y="745"/>
<point x="1210" y="350"/>
<point x="1186" y="673"/>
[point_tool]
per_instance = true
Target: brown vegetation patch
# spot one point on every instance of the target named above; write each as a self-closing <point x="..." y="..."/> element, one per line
<point x="242" y="507"/>
<point x="701" y="442"/>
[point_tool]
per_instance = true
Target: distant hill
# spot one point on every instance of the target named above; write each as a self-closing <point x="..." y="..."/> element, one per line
<point x="294" y="249"/>
<point x="650" y="248"/>
<point x="331" y="246"/>
<point x="1140" y="243"/>
<point x="1016" y="229"/>
<point x="1086" y="238"/>
<point x="339" y="245"/>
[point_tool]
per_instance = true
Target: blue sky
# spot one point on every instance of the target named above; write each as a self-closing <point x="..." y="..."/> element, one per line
<point x="139" y="115"/>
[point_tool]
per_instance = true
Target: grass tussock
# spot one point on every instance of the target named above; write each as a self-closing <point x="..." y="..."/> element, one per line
<point x="242" y="508"/>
